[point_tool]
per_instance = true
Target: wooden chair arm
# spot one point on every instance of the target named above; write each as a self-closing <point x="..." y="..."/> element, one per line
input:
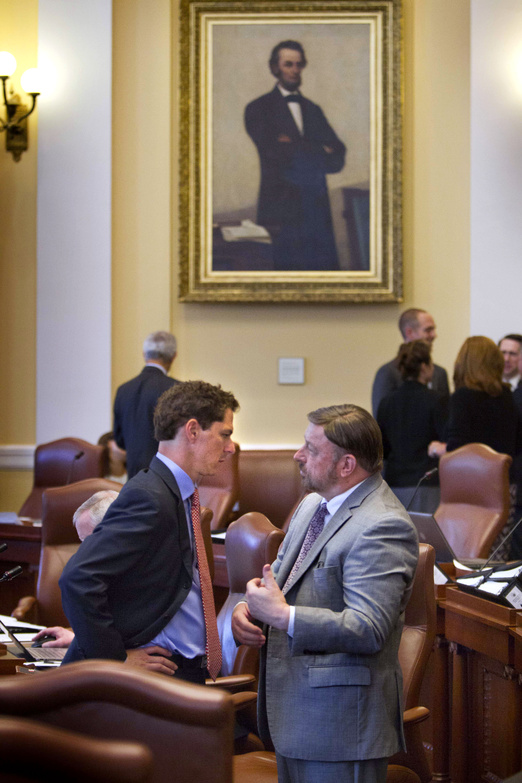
<point x="415" y="715"/>
<point x="234" y="683"/>
<point x="25" y="607"/>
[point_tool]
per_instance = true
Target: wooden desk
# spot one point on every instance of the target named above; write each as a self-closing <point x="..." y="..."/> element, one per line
<point x="23" y="548"/>
<point x="485" y="688"/>
<point x="8" y="661"/>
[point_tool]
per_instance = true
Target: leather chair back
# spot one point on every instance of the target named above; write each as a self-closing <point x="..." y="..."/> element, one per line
<point x="220" y="492"/>
<point x="60" y="541"/>
<point x="33" y="752"/>
<point x="474" y="498"/>
<point x="420" y="625"/>
<point x="251" y="541"/>
<point x="188" y="728"/>
<point x="57" y="463"/>
<point x="269" y="482"/>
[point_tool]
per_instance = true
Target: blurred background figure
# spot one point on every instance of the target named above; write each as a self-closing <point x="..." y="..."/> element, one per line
<point x="135" y="402"/>
<point x="410" y="418"/>
<point x="116" y="458"/>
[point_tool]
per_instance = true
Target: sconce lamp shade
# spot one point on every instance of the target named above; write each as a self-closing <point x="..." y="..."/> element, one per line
<point x="30" y="81"/>
<point x="7" y="64"/>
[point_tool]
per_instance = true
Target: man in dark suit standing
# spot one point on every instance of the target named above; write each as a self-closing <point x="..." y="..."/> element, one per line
<point x="138" y="589"/>
<point x="135" y="402"/>
<point x="297" y="148"/>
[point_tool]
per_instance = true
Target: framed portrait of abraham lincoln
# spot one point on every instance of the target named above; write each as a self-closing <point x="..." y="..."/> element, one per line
<point x="290" y="151"/>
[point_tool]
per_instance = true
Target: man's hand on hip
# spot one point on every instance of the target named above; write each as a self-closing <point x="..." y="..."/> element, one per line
<point x="266" y="602"/>
<point x="155" y="659"/>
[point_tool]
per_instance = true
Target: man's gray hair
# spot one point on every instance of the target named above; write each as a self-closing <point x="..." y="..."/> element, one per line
<point x="160" y="345"/>
<point x="97" y="505"/>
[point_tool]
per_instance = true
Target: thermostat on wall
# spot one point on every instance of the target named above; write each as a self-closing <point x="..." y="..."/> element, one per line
<point x="291" y="371"/>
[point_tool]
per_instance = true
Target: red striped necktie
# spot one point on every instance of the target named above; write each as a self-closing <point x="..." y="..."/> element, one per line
<point x="213" y="645"/>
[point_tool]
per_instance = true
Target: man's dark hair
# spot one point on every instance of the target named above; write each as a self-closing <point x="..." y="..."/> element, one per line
<point x="516" y="337"/>
<point x="354" y="431"/>
<point x="409" y="319"/>
<point x="191" y="400"/>
<point x="274" y="57"/>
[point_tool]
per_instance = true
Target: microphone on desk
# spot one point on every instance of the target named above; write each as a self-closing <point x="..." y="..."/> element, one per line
<point x="77" y="456"/>
<point x="8" y="575"/>
<point x="506" y="538"/>
<point x="3" y="547"/>
<point x="427" y="475"/>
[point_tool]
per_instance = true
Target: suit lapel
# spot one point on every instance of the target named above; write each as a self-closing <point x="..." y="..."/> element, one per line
<point x="159" y="467"/>
<point x="341" y="516"/>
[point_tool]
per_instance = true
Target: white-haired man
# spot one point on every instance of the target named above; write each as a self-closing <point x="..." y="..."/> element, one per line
<point x="136" y="399"/>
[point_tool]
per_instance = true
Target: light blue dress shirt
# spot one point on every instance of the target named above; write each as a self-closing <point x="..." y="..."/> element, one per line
<point x="185" y="633"/>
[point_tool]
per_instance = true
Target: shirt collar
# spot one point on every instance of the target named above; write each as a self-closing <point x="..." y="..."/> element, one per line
<point x="158" y="366"/>
<point x="335" y="503"/>
<point x="285" y="92"/>
<point x="183" y="480"/>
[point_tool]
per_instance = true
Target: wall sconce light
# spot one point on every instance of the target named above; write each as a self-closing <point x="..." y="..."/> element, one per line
<point x="15" y="124"/>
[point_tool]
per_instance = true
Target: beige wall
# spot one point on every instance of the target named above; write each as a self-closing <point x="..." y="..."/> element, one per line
<point x="239" y="345"/>
<point x="18" y="35"/>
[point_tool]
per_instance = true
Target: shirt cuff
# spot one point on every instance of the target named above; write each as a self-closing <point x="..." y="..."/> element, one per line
<point x="290" y="630"/>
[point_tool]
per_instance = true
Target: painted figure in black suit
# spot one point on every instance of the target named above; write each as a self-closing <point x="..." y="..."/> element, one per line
<point x="297" y="149"/>
<point x="135" y="402"/>
<point x="132" y="590"/>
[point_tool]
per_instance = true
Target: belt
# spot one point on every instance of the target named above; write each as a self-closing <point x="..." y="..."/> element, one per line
<point x="199" y="662"/>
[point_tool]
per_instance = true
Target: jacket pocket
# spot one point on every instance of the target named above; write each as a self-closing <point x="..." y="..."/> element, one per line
<point x="326" y="676"/>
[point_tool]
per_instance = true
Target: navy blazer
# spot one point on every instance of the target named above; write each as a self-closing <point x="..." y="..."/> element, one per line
<point x="129" y="578"/>
<point x="133" y="416"/>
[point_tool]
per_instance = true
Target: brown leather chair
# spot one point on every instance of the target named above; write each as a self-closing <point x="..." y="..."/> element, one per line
<point x="418" y="636"/>
<point x="34" y="752"/>
<point x="474" y="498"/>
<point x="261" y="767"/>
<point x="188" y="728"/>
<point x="59" y="542"/>
<point x="269" y="482"/>
<point x="60" y="462"/>
<point x="220" y="491"/>
<point x="251" y="541"/>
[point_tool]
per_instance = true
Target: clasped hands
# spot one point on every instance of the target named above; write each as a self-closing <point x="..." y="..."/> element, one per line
<point x="264" y="602"/>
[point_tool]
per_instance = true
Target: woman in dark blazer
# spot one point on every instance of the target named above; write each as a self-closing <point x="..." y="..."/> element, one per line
<point x="410" y="418"/>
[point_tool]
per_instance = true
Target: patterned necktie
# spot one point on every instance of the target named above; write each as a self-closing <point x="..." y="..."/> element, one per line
<point x="315" y="528"/>
<point x="213" y="646"/>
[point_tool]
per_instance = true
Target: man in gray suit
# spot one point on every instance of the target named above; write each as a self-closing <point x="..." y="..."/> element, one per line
<point x="332" y="604"/>
<point x="414" y="324"/>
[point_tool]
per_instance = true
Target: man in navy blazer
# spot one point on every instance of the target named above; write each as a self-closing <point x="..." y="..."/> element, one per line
<point x="297" y="148"/>
<point x="330" y="685"/>
<point x="136" y="399"/>
<point x="132" y="589"/>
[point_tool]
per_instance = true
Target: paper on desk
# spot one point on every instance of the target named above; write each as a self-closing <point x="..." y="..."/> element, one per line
<point x="9" y="518"/>
<point x="12" y="622"/>
<point x="495" y="588"/>
<point x="508" y="573"/>
<point x="461" y="567"/>
<point x="248" y="231"/>
<point x="439" y="577"/>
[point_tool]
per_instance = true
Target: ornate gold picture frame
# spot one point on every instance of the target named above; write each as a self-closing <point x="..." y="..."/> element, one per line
<point x="290" y="151"/>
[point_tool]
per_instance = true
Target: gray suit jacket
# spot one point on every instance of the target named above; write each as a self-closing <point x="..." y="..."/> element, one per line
<point x="333" y="692"/>
<point x="388" y="378"/>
